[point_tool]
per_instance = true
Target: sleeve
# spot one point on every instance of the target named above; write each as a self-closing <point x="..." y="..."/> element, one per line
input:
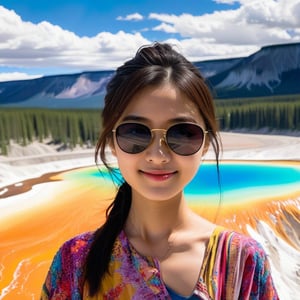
<point x="65" y="278"/>
<point x="257" y="283"/>
<point x="57" y="283"/>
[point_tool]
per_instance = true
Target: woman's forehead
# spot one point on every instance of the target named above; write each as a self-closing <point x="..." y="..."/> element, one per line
<point x="163" y="102"/>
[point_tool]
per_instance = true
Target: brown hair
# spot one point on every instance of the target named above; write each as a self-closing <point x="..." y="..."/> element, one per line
<point x="151" y="66"/>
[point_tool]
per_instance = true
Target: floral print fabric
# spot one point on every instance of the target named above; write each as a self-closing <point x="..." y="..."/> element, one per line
<point x="235" y="267"/>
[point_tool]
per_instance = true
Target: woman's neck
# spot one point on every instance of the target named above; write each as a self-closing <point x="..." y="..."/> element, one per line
<point x="153" y="221"/>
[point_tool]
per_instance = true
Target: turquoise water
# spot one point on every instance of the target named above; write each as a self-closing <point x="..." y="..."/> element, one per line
<point x="242" y="176"/>
<point x="240" y="181"/>
<point x="244" y="182"/>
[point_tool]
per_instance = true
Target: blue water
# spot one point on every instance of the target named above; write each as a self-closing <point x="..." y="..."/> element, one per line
<point x="239" y="181"/>
<point x="242" y="176"/>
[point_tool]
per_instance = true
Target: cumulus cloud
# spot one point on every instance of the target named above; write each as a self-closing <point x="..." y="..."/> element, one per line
<point x="17" y="76"/>
<point x="225" y="1"/>
<point x="131" y="17"/>
<point x="165" y="27"/>
<point x="25" y="44"/>
<point x="281" y="15"/>
<point x="232" y="32"/>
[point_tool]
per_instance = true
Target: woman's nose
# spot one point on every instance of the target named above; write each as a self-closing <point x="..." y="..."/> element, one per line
<point x="158" y="150"/>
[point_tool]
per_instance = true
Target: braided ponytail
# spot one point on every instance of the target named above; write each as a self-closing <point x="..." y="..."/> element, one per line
<point x="104" y="238"/>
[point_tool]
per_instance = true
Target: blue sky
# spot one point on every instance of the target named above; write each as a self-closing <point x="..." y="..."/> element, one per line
<point x="56" y="37"/>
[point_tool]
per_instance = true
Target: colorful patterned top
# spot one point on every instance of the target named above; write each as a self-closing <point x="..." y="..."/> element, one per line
<point x="235" y="267"/>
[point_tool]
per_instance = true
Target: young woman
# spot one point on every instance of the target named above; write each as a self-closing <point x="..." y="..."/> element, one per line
<point x="158" y="121"/>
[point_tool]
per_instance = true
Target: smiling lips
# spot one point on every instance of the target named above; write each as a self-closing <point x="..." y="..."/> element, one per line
<point x="158" y="175"/>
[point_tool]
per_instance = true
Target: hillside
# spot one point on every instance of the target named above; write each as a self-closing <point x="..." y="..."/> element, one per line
<point x="272" y="71"/>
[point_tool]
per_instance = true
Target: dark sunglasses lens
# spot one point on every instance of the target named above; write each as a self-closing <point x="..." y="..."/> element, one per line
<point x="133" y="138"/>
<point x="185" y="139"/>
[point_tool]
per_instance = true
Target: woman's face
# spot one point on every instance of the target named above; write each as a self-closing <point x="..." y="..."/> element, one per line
<point x="157" y="173"/>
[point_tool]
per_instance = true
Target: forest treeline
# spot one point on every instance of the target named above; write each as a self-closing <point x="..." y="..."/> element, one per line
<point x="272" y="113"/>
<point x="82" y="127"/>
<point x="61" y="127"/>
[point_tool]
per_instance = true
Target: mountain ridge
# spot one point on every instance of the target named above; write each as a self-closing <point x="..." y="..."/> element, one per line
<point x="273" y="70"/>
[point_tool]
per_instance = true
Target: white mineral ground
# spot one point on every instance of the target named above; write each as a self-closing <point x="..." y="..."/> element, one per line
<point x="37" y="159"/>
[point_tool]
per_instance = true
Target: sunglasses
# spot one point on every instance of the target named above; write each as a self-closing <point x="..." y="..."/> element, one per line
<point x="182" y="138"/>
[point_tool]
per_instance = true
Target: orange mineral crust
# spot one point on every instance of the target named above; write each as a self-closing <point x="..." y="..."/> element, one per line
<point x="38" y="215"/>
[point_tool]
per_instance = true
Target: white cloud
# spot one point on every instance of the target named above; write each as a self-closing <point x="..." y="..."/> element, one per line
<point x="227" y="33"/>
<point x="281" y="15"/>
<point x="131" y="17"/>
<point x="16" y="76"/>
<point x="235" y="32"/>
<point x="225" y="1"/>
<point x="24" y="44"/>
<point x="165" y="27"/>
<point x="207" y="50"/>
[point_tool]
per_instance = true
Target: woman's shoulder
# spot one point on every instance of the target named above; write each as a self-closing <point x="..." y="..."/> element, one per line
<point x="66" y="270"/>
<point x="77" y="247"/>
<point x="78" y="243"/>
<point x="234" y="240"/>
<point x="248" y="271"/>
<point x="80" y="240"/>
<point x="238" y="250"/>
